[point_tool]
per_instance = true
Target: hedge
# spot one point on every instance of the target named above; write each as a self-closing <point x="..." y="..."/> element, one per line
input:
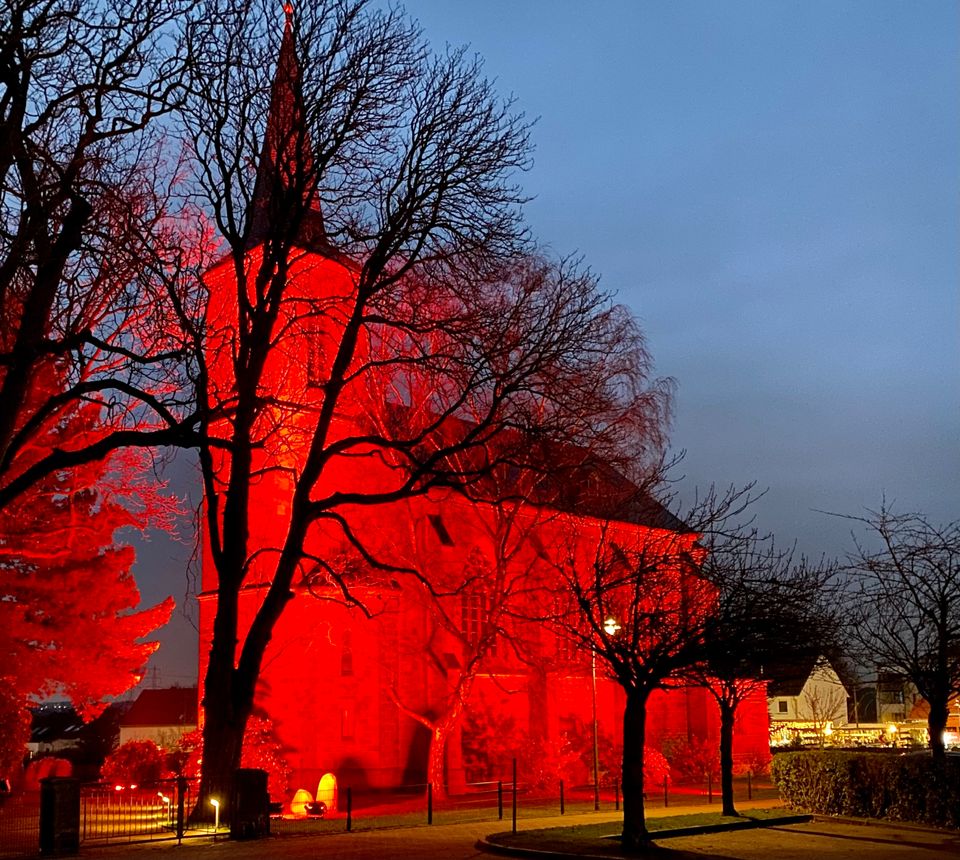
<point x="910" y="787"/>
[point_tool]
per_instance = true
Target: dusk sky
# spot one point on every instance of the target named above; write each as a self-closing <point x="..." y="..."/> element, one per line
<point x="774" y="189"/>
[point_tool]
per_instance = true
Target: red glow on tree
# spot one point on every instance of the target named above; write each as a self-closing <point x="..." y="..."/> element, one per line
<point x="69" y="623"/>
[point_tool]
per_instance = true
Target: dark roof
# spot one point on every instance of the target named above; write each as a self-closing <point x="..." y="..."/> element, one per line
<point x="787" y="679"/>
<point x="173" y="706"/>
<point x="55" y="721"/>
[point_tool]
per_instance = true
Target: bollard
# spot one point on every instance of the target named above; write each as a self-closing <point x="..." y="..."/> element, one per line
<point x="59" y="816"/>
<point x="181" y="798"/>
<point x="749" y="786"/>
<point x="666" y="796"/>
<point x="429" y="803"/>
<point x="561" y="797"/>
<point x="349" y="809"/>
<point x="514" y="795"/>
<point x="616" y="795"/>
<point x="500" y="800"/>
<point x="709" y="787"/>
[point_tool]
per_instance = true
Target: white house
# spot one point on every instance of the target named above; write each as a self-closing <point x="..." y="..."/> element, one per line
<point x="807" y="692"/>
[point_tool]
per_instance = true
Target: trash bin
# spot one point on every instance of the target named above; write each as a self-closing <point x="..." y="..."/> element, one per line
<point x="250" y="806"/>
<point x="59" y="816"/>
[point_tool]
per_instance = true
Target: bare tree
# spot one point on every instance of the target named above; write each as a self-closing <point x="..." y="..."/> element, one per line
<point x="904" y="605"/>
<point x="471" y="605"/>
<point x="376" y="241"/>
<point x="89" y="252"/>
<point x="631" y="591"/>
<point x="769" y="608"/>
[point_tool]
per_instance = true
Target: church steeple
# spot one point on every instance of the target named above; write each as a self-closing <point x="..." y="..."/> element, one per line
<point x="286" y="160"/>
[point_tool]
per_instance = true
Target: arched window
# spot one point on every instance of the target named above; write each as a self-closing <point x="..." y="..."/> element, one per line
<point x="346" y="653"/>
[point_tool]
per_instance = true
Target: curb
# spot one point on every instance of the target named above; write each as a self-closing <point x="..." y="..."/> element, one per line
<point x="867" y="822"/>
<point x="489" y="847"/>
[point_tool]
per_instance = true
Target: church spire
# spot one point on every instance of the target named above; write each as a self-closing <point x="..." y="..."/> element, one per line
<point x="286" y="160"/>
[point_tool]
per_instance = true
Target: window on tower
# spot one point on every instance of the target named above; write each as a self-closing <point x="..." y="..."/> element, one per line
<point x="472" y="616"/>
<point x="316" y="371"/>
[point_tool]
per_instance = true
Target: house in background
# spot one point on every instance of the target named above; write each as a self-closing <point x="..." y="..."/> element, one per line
<point x="808" y="691"/>
<point x="896" y="697"/>
<point x="162" y="716"/>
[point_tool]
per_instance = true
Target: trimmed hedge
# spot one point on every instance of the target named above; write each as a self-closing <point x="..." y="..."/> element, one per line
<point x="908" y="787"/>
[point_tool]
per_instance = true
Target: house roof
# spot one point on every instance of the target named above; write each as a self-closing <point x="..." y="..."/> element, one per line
<point x="787" y="679"/>
<point x="172" y="706"/>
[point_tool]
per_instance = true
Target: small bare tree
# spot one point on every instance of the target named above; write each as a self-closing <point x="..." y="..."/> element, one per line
<point x="630" y="591"/>
<point x="769" y="608"/>
<point x="904" y="606"/>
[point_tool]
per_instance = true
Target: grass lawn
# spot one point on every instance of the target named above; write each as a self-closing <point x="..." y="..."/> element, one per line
<point x="599" y="839"/>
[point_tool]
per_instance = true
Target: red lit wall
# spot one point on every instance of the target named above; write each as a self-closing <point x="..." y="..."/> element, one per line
<point x="331" y="674"/>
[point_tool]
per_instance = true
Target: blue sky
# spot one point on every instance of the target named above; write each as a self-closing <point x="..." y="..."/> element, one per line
<point x="774" y="189"/>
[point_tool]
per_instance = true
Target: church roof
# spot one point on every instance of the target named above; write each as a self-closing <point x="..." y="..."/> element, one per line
<point x="172" y="706"/>
<point x="285" y="167"/>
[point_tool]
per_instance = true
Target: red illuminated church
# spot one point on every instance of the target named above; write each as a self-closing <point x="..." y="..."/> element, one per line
<point x="363" y="692"/>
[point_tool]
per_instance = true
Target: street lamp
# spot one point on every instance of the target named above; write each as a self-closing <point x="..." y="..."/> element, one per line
<point x="596" y="743"/>
<point x="610" y="627"/>
<point x="216" y="813"/>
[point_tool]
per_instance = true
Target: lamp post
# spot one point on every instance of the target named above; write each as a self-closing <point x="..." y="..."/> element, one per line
<point x="596" y="742"/>
<point x="216" y="814"/>
<point x="610" y="627"/>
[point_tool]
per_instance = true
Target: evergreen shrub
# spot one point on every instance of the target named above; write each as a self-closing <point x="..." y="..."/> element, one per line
<point x="909" y="787"/>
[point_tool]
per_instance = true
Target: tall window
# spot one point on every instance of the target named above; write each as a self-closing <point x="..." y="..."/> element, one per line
<point x="472" y="616"/>
<point x="346" y="653"/>
<point x="316" y="372"/>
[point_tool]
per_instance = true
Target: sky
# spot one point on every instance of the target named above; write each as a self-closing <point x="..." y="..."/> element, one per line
<point x="773" y="188"/>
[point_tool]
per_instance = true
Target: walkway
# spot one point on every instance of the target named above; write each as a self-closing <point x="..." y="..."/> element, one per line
<point x="827" y="839"/>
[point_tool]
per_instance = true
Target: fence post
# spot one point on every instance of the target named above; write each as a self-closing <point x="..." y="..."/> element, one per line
<point x="349" y="809"/>
<point x="666" y="795"/>
<point x="514" y="795"/>
<point x="709" y="787"/>
<point x="616" y="795"/>
<point x="500" y="800"/>
<point x="429" y="803"/>
<point x="561" y="798"/>
<point x="181" y="802"/>
<point x="59" y="815"/>
<point x="749" y="786"/>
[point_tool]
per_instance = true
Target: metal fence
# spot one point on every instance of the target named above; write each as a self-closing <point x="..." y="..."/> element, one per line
<point x="137" y="813"/>
<point x="368" y="808"/>
<point x="19" y="824"/>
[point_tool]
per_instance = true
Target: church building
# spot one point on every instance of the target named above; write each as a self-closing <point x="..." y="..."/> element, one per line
<point x="444" y="649"/>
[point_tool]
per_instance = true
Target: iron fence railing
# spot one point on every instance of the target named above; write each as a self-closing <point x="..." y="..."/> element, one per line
<point x="19" y="824"/>
<point x="133" y="813"/>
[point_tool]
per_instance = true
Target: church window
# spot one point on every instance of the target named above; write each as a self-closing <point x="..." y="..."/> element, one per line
<point x="346" y="653"/>
<point x="315" y="360"/>
<point x="472" y="616"/>
<point x="437" y="522"/>
<point x="346" y="725"/>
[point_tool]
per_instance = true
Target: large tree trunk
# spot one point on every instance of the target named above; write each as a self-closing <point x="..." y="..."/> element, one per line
<point x="225" y="713"/>
<point x="727" y="714"/>
<point x="936" y="725"/>
<point x="635" y="836"/>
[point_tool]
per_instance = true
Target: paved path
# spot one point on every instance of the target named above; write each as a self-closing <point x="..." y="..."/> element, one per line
<point x="831" y="840"/>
